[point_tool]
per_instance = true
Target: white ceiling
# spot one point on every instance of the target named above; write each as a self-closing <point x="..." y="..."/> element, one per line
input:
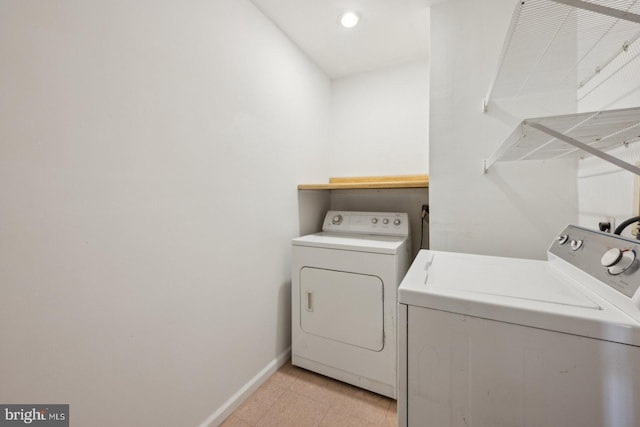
<point x="390" y="31"/>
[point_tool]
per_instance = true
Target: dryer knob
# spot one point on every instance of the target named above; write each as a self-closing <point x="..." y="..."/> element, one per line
<point x="385" y="221"/>
<point x="374" y="220"/>
<point x="337" y="220"/>
<point x="397" y="222"/>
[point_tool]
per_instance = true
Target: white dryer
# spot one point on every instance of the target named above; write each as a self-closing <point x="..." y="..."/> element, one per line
<point x="344" y="297"/>
<point x="489" y="341"/>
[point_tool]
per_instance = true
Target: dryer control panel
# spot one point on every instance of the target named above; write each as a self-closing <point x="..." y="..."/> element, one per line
<point x="380" y="223"/>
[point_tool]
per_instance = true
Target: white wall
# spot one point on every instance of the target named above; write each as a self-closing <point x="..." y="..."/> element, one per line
<point x="150" y="156"/>
<point x="517" y="208"/>
<point x="605" y="190"/>
<point x="380" y="122"/>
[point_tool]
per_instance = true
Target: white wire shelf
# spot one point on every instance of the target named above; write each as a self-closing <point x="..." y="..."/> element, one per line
<point x="571" y="136"/>
<point x="554" y="45"/>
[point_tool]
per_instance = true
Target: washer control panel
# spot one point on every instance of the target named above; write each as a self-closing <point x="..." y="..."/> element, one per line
<point x="608" y="257"/>
<point x="380" y="223"/>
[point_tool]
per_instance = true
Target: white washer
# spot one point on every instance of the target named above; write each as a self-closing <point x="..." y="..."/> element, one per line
<point x="344" y="297"/>
<point x="489" y="341"/>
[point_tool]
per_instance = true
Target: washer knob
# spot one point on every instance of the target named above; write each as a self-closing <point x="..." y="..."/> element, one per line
<point x="618" y="261"/>
<point x="337" y="220"/>
<point x="396" y="222"/>
<point x="563" y="239"/>
<point x="374" y="220"/>
<point x="385" y="221"/>
<point x="611" y="257"/>
<point x="576" y="244"/>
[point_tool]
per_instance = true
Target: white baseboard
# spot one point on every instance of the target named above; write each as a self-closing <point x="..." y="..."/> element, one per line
<point x="245" y="391"/>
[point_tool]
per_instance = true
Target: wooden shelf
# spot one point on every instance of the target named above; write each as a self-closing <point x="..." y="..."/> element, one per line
<point x="365" y="182"/>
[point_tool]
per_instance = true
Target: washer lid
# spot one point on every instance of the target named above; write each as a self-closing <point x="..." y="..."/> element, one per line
<point x="523" y="279"/>
<point x="525" y="292"/>
<point x="352" y="242"/>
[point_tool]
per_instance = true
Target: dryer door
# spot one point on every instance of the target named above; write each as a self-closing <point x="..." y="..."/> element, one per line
<point x="342" y="306"/>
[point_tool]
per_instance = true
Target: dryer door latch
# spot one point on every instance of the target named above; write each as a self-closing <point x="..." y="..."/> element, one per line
<point x="309" y="304"/>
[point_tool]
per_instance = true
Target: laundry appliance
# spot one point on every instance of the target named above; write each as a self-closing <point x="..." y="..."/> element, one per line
<point x="489" y="341"/>
<point x="344" y="297"/>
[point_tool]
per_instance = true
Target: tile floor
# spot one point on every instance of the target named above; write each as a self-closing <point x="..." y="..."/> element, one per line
<point x="296" y="397"/>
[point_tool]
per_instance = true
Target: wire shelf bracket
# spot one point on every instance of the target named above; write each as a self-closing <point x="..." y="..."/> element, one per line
<point x="604" y="10"/>
<point x="571" y="136"/>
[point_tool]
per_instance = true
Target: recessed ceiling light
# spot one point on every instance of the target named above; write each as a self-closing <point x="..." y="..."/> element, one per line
<point x="349" y="19"/>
